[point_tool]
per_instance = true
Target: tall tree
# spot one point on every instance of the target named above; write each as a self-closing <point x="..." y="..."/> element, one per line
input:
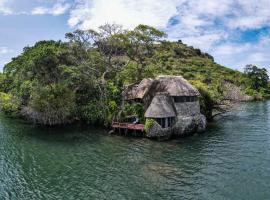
<point x="102" y="60"/>
<point x="258" y="76"/>
<point x="139" y="46"/>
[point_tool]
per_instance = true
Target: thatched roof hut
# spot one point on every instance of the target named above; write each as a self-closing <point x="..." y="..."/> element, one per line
<point x="161" y="107"/>
<point x="176" y="86"/>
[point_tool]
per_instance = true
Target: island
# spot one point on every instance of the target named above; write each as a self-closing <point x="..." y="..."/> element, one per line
<point x="111" y="75"/>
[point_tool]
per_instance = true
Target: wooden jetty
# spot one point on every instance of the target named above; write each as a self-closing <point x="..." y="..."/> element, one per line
<point x="128" y="128"/>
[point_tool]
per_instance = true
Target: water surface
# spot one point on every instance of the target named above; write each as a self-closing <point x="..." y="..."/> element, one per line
<point x="230" y="161"/>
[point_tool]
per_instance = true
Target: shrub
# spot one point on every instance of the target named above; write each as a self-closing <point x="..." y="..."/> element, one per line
<point x="149" y="123"/>
<point x="206" y="100"/>
<point x="51" y="105"/>
<point x="136" y="109"/>
<point x="7" y="104"/>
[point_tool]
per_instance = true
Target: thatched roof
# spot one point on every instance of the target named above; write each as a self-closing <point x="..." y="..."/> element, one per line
<point x="134" y="91"/>
<point x="176" y="86"/>
<point x="130" y="92"/>
<point x="161" y="107"/>
<point x="144" y="87"/>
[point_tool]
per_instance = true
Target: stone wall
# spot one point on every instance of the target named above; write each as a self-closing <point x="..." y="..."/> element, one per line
<point x="189" y="120"/>
<point x="156" y="131"/>
<point x="184" y="125"/>
<point x="189" y="124"/>
<point x="188" y="108"/>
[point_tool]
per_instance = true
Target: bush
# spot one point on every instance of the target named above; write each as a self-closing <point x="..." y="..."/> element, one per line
<point x="91" y="113"/>
<point x="206" y="99"/>
<point x="136" y="109"/>
<point x="51" y="105"/>
<point x="149" y="123"/>
<point x="7" y="104"/>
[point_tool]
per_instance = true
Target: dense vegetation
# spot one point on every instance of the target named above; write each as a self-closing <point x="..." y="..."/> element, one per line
<point x="57" y="82"/>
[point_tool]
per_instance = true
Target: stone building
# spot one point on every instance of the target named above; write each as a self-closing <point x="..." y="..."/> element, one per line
<point x="172" y="102"/>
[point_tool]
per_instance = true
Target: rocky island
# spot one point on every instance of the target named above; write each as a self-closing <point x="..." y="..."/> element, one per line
<point x="134" y="76"/>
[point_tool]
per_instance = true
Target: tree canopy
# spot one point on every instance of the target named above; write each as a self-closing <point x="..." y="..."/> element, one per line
<point x="258" y="77"/>
<point x="55" y="82"/>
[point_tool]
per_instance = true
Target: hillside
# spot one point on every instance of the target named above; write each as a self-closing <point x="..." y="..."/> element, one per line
<point x="57" y="82"/>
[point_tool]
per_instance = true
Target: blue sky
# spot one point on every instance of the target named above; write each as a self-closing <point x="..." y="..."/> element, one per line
<point x="235" y="32"/>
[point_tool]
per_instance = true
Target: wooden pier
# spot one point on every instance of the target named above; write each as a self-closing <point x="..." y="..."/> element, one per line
<point x="128" y="126"/>
<point x="128" y="129"/>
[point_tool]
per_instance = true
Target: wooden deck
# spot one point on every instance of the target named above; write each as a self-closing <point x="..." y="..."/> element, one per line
<point x="127" y="126"/>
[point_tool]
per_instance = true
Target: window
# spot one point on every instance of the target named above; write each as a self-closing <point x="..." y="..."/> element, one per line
<point x="162" y="122"/>
<point x="138" y="100"/>
<point x="165" y="122"/>
<point x="184" y="99"/>
<point x="170" y="121"/>
<point x="179" y="99"/>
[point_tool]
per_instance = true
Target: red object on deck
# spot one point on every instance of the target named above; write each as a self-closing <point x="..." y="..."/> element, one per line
<point x="137" y="127"/>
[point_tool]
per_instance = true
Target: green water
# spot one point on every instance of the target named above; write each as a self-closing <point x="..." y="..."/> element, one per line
<point x="230" y="161"/>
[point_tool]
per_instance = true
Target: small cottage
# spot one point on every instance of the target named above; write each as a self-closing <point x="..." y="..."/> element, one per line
<point x="162" y="110"/>
<point x="172" y="102"/>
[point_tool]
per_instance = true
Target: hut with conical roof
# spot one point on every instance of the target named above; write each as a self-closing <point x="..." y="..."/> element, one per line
<point x="171" y="101"/>
<point x="162" y="110"/>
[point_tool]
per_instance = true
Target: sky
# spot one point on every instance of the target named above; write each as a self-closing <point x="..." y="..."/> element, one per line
<point x="235" y="32"/>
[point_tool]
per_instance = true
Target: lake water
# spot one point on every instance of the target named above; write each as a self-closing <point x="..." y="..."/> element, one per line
<point x="230" y="161"/>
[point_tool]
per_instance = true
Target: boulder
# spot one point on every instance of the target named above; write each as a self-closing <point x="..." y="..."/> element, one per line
<point x="187" y="125"/>
<point x="156" y="131"/>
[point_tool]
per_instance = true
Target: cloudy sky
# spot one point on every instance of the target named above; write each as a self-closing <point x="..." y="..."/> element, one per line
<point x="235" y="32"/>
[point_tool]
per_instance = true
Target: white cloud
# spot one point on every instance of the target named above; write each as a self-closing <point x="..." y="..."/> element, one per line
<point x="258" y="57"/>
<point x="57" y="9"/>
<point x="4" y="50"/>
<point x="237" y="55"/>
<point x="229" y="49"/>
<point x="4" y="9"/>
<point x="205" y="41"/>
<point x="40" y="11"/>
<point x="93" y="13"/>
<point x="250" y="14"/>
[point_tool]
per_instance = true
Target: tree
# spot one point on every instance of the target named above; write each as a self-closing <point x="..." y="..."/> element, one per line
<point x="2" y="82"/>
<point x="259" y="77"/>
<point x="55" y="82"/>
<point x="39" y="80"/>
<point x="105" y="41"/>
<point x="139" y="46"/>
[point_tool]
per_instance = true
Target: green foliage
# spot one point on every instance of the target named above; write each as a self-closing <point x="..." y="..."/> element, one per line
<point x="149" y="123"/>
<point x="258" y="77"/>
<point x="91" y="112"/>
<point x="57" y="82"/>
<point x="2" y="82"/>
<point x="8" y="105"/>
<point x="206" y="99"/>
<point x="139" y="45"/>
<point x="134" y="109"/>
<point x="53" y="103"/>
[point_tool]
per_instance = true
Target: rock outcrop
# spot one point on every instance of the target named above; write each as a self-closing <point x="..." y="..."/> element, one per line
<point x="234" y="93"/>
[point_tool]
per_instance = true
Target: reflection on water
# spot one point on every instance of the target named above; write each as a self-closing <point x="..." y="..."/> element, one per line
<point x="230" y="161"/>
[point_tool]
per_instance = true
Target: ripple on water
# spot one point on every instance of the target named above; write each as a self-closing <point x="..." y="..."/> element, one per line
<point x="230" y="161"/>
